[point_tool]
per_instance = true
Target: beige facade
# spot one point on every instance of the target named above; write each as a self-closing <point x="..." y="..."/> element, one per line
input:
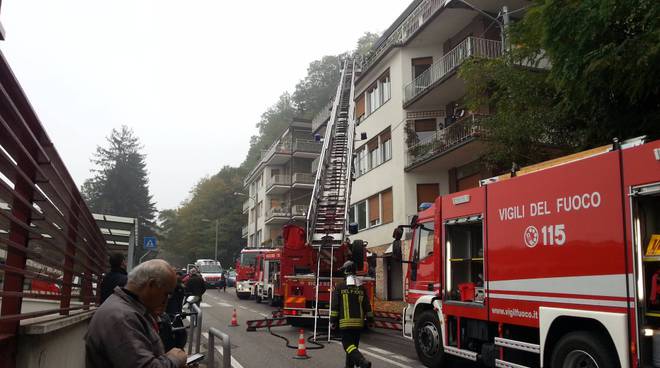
<point x="278" y="189"/>
<point x="435" y="148"/>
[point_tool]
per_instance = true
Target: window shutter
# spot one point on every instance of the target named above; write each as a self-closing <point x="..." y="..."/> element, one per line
<point x="427" y="193"/>
<point x="425" y="125"/>
<point x="422" y="61"/>
<point x="388" y="213"/>
<point x="359" y="106"/>
<point x="372" y="144"/>
<point x="386" y="135"/>
<point x="374" y="208"/>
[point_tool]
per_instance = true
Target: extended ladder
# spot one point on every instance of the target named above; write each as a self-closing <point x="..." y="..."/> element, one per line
<point x="327" y="217"/>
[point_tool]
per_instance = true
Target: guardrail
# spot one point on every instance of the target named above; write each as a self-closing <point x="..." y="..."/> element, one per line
<point x="322" y="116"/>
<point x="226" y="348"/>
<point x="471" y="46"/>
<point x="306" y="145"/>
<point x="47" y="233"/>
<point x="303" y="178"/>
<point x="278" y="180"/>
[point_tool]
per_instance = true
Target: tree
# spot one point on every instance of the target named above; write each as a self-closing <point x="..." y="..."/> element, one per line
<point x="319" y="86"/>
<point x="602" y="84"/>
<point x="120" y="185"/>
<point x="366" y="43"/>
<point x="186" y="237"/>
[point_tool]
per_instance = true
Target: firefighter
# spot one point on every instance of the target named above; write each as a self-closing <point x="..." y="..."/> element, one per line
<point x="350" y="306"/>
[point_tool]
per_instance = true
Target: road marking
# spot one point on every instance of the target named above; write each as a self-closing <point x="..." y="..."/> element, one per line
<point x="205" y="305"/>
<point x="263" y="314"/>
<point x="378" y="350"/>
<point x="242" y="307"/>
<point x="222" y="304"/>
<point x="234" y="362"/>
<point x="363" y="350"/>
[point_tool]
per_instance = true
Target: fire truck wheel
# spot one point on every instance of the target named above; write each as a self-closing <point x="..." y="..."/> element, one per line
<point x="428" y="341"/>
<point x="583" y="349"/>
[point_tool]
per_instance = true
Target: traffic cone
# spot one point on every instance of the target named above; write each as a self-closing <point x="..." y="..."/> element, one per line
<point x="234" y="321"/>
<point x="302" y="350"/>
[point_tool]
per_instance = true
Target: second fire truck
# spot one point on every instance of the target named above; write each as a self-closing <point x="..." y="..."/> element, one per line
<point x="558" y="266"/>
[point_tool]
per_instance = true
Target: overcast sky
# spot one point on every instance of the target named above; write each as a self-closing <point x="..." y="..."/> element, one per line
<point x="190" y="77"/>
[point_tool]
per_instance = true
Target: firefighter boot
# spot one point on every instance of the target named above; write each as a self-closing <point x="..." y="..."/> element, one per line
<point x="359" y="359"/>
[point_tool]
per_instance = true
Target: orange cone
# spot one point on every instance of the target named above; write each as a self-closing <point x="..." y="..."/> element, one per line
<point x="302" y="350"/>
<point x="234" y="321"/>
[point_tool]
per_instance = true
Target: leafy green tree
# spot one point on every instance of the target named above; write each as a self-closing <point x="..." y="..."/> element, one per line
<point x="366" y="42"/>
<point x="602" y="84"/>
<point x="184" y="233"/>
<point x="319" y="86"/>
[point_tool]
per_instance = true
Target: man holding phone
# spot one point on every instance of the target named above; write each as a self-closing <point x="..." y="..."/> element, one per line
<point x="123" y="331"/>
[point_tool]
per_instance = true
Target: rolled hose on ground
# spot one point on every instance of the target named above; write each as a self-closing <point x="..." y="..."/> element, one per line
<point x="309" y="340"/>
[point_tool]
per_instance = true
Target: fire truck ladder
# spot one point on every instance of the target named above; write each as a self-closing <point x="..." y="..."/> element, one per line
<point x="328" y="209"/>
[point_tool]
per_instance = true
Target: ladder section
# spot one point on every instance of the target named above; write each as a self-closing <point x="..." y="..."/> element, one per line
<point x="327" y="221"/>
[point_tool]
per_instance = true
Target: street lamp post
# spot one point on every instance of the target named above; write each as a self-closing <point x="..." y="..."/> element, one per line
<point x="216" y="235"/>
<point x="255" y="213"/>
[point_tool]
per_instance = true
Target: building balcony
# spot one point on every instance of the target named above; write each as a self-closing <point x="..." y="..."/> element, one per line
<point x="416" y="19"/>
<point x="277" y="215"/>
<point x="303" y="180"/>
<point x="246" y="206"/>
<point x="278" y="154"/>
<point x="299" y="211"/>
<point x="244" y="231"/>
<point x="423" y="91"/>
<point x="315" y="165"/>
<point x="452" y="146"/>
<point x="278" y="184"/>
<point x="306" y="148"/>
<point x="322" y="116"/>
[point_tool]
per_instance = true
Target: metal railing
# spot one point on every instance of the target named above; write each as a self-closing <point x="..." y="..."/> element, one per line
<point x="303" y="178"/>
<point x="322" y="116"/>
<point x="443" y="140"/>
<point x="48" y="236"/>
<point x="277" y="212"/>
<point x="195" y="329"/>
<point x="226" y="348"/>
<point x="315" y="165"/>
<point x="413" y="22"/>
<point x="282" y="179"/>
<point x="299" y="210"/>
<point x="304" y="145"/>
<point x="470" y="47"/>
<point x="280" y="146"/>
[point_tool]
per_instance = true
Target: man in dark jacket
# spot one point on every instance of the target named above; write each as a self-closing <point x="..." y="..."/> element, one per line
<point x="123" y="331"/>
<point x="116" y="276"/>
<point x="350" y="306"/>
<point x="196" y="285"/>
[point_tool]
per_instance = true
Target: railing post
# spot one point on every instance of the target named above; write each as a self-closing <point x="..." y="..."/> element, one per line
<point x="199" y="327"/>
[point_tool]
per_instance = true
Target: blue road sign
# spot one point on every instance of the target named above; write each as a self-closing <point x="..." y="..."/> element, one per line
<point x="149" y="242"/>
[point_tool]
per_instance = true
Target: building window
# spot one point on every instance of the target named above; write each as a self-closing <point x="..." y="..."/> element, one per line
<point x="362" y="162"/>
<point x="373" y="211"/>
<point x="361" y="210"/>
<point x="372" y="146"/>
<point x="252" y="244"/>
<point x="374" y="97"/>
<point x="386" y="145"/>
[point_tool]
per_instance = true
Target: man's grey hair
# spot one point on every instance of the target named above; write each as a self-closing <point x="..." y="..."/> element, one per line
<point x="155" y="269"/>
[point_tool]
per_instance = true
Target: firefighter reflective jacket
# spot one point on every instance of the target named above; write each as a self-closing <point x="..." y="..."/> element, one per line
<point x="350" y="306"/>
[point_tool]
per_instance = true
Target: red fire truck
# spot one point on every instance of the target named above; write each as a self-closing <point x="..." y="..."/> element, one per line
<point x="301" y="270"/>
<point x="245" y="272"/>
<point x="557" y="266"/>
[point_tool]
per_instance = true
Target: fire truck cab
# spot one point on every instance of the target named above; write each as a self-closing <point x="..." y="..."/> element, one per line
<point x="558" y="266"/>
<point x="245" y="272"/>
<point x="268" y="285"/>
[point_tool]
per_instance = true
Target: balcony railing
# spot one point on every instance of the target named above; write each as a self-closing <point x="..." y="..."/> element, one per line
<point x="315" y="165"/>
<point x="246" y="206"/>
<point x="322" y="116"/>
<point x="278" y="180"/>
<point x="301" y="145"/>
<point x="471" y="46"/>
<point x="417" y="18"/>
<point x="244" y="231"/>
<point x="303" y="178"/>
<point x="443" y="140"/>
<point x="299" y="210"/>
<point x="277" y="147"/>
<point x="277" y="212"/>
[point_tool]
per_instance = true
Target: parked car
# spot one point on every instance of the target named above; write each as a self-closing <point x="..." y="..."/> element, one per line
<point x="231" y="279"/>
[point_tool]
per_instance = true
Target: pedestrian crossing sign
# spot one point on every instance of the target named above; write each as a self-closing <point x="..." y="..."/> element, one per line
<point x="149" y="242"/>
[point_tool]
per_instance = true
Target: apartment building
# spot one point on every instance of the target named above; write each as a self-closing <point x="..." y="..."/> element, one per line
<point x="279" y="188"/>
<point x="422" y="139"/>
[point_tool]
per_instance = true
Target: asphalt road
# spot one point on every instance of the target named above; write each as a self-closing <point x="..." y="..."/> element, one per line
<point x="259" y="349"/>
